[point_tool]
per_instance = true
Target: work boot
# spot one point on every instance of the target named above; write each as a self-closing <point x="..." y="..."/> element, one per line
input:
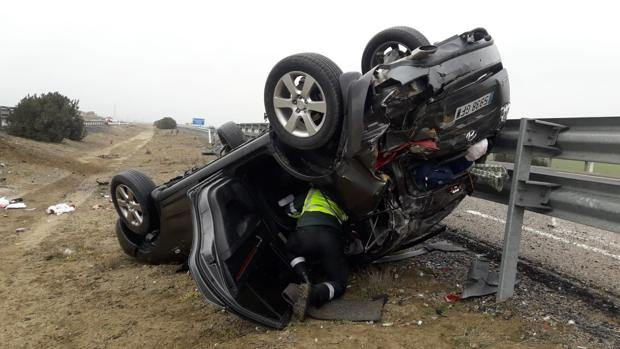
<point x="303" y="301"/>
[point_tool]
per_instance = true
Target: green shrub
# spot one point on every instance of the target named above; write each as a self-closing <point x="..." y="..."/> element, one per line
<point x="50" y="117"/>
<point x="166" y="123"/>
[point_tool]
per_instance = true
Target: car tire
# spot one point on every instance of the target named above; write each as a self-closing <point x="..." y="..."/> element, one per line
<point x="230" y="135"/>
<point x="395" y="37"/>
<point x="303" y="100"/>
<point x="131" y="195"/>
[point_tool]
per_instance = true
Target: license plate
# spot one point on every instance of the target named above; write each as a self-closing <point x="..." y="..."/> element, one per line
<point x="473" y="106"/>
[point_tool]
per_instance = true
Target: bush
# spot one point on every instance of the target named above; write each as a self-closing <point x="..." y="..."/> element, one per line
<point x="166" y="123"/>
<point x="50" y="117"/>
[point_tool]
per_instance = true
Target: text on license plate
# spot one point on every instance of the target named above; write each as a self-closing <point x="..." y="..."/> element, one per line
<point x="473" y="106"/>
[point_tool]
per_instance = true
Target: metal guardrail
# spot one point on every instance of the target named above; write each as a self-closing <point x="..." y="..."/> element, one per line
<point x="253" y="130"/>
<point x="91" y="123"/>
<point x="583" y="198"/>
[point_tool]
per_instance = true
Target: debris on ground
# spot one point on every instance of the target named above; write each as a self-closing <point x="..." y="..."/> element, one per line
<point x="16" y="205"/>
<point x="419" y="250"/>
<point x="2" y="164"/>
<point x="452" y="298"/>
<point x="20" y="230"/>
<point x="98" y="207"/>
<point x="102" y="181"/>
<point x="480" y="280"/>
<point x="67" y="252"/>
<point x="59" y="209"/>
<point x="108" y="156"/>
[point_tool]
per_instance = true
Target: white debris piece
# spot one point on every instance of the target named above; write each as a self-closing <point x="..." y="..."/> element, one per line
<point x="477" y="150"/>
<point x="16" y="205"/>
<point x="60" y="209"/>
<point x="4" y="202"/>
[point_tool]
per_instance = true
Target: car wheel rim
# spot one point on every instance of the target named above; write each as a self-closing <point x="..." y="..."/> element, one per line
<point x="129" y="206"/>
<point x="300" y="104"/>
<point x="389" y="52"/>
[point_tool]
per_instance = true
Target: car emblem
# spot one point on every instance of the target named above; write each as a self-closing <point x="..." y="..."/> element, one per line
<point x="471" y="135"/>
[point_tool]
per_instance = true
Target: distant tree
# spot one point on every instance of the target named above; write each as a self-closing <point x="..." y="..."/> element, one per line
<point x="50" y="117"/>
<point x="166" y="123"/>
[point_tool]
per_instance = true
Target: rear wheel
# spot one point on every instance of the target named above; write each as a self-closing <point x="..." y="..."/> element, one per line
<point x="131" y="195"/>
<point x="303" y="100"/>
<point x="390" y="45"/>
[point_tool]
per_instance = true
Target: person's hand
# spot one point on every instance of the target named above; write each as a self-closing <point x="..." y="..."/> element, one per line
<point x="385" y="177"/>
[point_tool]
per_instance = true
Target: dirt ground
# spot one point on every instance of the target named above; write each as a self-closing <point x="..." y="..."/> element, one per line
<point x="66" y="283"/>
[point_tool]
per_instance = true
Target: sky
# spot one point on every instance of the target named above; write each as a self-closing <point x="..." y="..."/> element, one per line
<point x="143" y="60"/>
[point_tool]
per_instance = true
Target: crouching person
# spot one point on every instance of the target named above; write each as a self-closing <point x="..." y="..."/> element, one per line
<point x="318" y="238"/>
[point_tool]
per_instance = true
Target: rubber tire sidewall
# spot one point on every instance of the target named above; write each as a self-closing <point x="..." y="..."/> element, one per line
<point x="231" y="135"/>
<point x="405" y="35"/>
<point x="327" y="74"/>
<point x="142" y="186"/>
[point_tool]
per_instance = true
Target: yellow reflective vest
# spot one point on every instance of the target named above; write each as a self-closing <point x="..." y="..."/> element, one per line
<point x="317" y="202"/>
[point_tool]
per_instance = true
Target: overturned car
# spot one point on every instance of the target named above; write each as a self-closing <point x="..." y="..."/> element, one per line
<point x="393" y="146"/>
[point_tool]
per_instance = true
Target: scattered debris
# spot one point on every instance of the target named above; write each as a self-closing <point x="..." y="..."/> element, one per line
<point x="387" y="324"/>
<point x="67" y="252"/>
<point x="419" y="250"/>
<point x="60" y="209"/>
<point x="17" y="205"/>
<point x="2" y="164"/>
<point x="452" y="298"/>
<point x="98" y="207"/>
<point x="102" y="181"/>
<point x="4" y="202"/>
<point x="108" y="156"/>
<point x="480" y="280"/>
<point x="20" y="230"/>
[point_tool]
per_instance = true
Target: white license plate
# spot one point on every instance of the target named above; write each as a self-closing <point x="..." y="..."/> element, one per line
<point x="473" y="106"/>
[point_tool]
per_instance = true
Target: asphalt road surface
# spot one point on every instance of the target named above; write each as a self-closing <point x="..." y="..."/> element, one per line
<point x="587" y="254"/>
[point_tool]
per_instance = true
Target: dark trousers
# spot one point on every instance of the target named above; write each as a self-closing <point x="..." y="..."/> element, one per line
<point x="323" y="244"/>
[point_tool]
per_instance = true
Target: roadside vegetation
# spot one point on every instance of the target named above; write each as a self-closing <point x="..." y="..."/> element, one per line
<point x="50" y="117"/>
<point x="166" y="123"/>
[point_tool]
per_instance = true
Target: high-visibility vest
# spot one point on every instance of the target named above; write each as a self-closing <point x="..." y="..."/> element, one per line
<point x="317" y="202"/>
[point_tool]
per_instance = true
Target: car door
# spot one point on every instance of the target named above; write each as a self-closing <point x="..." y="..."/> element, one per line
<point x="236" y="259"/>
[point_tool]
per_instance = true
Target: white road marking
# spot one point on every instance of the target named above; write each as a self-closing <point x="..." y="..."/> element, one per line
<point x="585" y="238"/>
<point x="548" y="235"/>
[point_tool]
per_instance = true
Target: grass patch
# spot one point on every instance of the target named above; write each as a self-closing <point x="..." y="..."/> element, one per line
<point x="578" y="166"/>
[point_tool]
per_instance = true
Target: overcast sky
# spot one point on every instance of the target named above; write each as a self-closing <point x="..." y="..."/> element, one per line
<point x="210" y="58"/>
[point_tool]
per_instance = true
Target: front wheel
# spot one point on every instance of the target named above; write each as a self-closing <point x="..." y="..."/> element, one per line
<point x="303" y="100"/>
<point x="230" y="136"/>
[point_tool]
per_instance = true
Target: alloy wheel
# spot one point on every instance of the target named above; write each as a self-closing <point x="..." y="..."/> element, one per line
<point x="300" y="104"/>
<point x="129" y="206"/>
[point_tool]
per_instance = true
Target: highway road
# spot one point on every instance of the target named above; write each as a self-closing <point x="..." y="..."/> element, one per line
<point x="587" y="254"/>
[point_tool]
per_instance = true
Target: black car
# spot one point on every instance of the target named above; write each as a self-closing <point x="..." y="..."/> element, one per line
<point x="375" y="143"/>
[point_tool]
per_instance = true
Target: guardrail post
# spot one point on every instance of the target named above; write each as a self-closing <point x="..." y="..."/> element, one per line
<point x="588" y="166"/>
<point x="534" y="136"/>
